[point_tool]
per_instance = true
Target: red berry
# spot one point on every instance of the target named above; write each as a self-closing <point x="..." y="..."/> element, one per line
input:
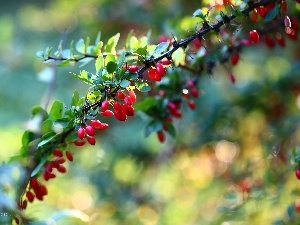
<point x="120" y="115"/>
<point x="117" y="106"/>
<point x="79" y="142"/>
<point x="192" y="104"/>
<point x="107" y="113"/>
<point x="287" y="21"/>
<point x="120" y="95"/>
<point x="297" y="172"/>
<point x="127" y="100"/>
<point x="90" y="130"/>
<point x="61" y="169"/>
<point x="30" y="196"/>
<point x="172" y="106"/>
<point x="161" y="136"/>
<point x="34" y="183"/>
<point x="133" y="68"/>
<point x="163" y="38"/>
<point x="190" y="84"/>
<point x="81" y="133"/>
<point x="231" y="77"/>
<point x="59" y="160"/>
<point x="128" y="110"/>
<point x="235" y="58"/>
<point x="254" y="36"/>
<point x="166" y="62"/>
<point x="91" y="140"/>
<point x="152" y="73"/>
<point x="197" y="43"/>
<point x="57" y="152"/>
<point x="104" y="106"/>
<point x="254" y="16"/>
<point x="280" y="39"/>
<point x="160" y="70"/>
<point x="269" y="41"/>
<point x="69" y="156"/>
<point x="24" y="204"/>
<point x="46" y="175"/>
<point x="195" y="92"/>
<point x="43" y="190"/>
<point x="176" y="113"/>
<point x="284" y="6"/>
<point x="132" y="96"/>
<point x="96" y="124"/>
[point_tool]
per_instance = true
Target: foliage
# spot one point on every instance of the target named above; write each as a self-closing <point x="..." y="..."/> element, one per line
<point x="161" y="82"/>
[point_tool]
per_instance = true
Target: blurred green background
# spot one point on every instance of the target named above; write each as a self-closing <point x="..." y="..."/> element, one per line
<point x="230" y="161"/>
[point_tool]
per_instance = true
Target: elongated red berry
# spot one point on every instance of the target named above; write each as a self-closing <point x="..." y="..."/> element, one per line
<point x="120" y="95"/>
<point x="79" y="142"/>
<point x="280" y="39"/>
<point x="34" y="183"/>
<point x="132" y="96"/>
<point x="59" y="160"/>
<point x="81" y="133"/>
<point x="166" y="62"/>
<point x="297" y="173"/>
<point x="192" y="104"/>
<point x="254" y="36"/>
<point x="120" y="115"/>
<point x="69" y="156"/>
<point x="254" y="16"/>
<point x="57" y="152"/>
<point x="61" y="169"/>
<point x="104" y="106"/>
<point x="91" y="140"/>
<point x="235" y="58"/>
<point x="161" y="136"/>
<point x="90" y="130"/>
<point x="152" y="73"/>
<point x="160" y="70"/>
<point x="46" y="175"/>
<point x="117" y="106"/>
<point x="195" y="92"/>
<point x="284" y="6"/>
<point x="96" y="124"/>
<point x="107" y="113"/>
<point x="133" y="68"/>
<point x="128" y="110"/>
<point x="231" y="77"/>
<point x="30" y="196"/>
<point x="269" y="41"/>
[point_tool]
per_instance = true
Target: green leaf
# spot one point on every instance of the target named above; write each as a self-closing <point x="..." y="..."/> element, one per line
<point x="56" y="110"/>
<point x="99" y="63"/>
<point x="111" y="67"/>
<point x="171" y="129"/>
<point x="75" y="98"/>
<point x="98" y="48"/>
<point x="45" y="139"/>
<point x="141" y="51"/>
<point x="160" y="48"/>
<point x="110" y="47"/>
<point x="98" y="38"/>
<point x="38" y="110"/>
<point x="87" y="43"/>
<point x="199" y="13"/>
<point x="133" y="43"/>
<point x="121" y="59"/>
<point x="94" y="96"/>
<point x="27" y="138"/>
<point x="128" y="39"/>
<point x="40" y="54"/>
<point x="125" y="83"/>
<point x="154" y="126"/>
<point x="46" y="126"/>
<point x="142" y="86"/>
<point x="85" y="76"/>
<point x="38" y="167"/>
<point x="61" y="123"/>
<point x="179" y="57"/>
<point x="66" y="62"/>
<point x="109" y="58"/>
<point x="80" y="46"/>
<point x="272" y="13"/>
<point x="145" y="104"/>
<point x="48" y="51"/>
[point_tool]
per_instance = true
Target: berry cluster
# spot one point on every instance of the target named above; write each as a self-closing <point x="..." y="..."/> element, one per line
<point x="89" y="132"/>
<point x="36" y="190"/>
<point x="156" y="73"/>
